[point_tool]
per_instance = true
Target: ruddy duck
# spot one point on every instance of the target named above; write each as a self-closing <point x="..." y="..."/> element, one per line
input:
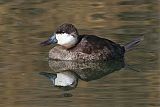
<point x="73" y="46"/>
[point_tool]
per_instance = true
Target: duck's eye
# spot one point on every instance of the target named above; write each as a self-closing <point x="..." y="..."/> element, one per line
<point x="60" y="32"/>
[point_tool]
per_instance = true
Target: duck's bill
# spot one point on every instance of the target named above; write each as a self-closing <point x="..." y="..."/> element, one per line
<point x="51" y="40"/>
<point x="49" y="75"/>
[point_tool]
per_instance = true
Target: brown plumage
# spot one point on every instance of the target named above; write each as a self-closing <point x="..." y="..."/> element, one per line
<point x="89" y="48"/>
<point x="86" y="47"/>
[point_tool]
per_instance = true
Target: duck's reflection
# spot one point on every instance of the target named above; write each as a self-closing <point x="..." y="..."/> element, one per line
<point x="64" y="80"/>
<point x="66" y="74"/>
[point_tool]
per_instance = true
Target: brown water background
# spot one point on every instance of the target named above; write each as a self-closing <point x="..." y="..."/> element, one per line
<point x="25" y="23"/>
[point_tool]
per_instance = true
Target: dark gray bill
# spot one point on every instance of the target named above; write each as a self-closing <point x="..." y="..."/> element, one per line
<point x="51" y="40"/>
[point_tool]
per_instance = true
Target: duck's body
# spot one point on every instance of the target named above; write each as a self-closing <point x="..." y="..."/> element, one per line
<point x="89" y="48"/>
<point x="73" y="46"/>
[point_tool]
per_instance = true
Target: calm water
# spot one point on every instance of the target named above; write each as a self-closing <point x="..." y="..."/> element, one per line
<point x="25" y="23"/>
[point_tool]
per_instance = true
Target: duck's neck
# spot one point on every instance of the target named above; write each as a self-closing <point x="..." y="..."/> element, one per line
<point x="79" y="38"/>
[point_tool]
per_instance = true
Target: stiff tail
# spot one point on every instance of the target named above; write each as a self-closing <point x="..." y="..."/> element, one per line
<point x="129" y="46"/>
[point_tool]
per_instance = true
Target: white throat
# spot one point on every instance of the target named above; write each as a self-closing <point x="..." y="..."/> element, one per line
<point x="66" y="40"/>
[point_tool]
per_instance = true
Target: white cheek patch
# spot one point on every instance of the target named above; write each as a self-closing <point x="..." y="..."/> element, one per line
<point x="65" y="39"/>
<point x="64" y="79"/>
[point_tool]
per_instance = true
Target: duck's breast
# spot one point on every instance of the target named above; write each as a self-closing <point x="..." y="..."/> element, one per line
<point x="89" y="48"/>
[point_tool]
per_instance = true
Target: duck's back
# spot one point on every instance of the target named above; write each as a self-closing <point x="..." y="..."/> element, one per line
<point x="89" y="48"/>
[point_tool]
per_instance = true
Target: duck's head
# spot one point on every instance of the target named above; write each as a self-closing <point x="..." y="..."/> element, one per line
<point x="64" y="80"/>
<point x="66" y="35"/>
